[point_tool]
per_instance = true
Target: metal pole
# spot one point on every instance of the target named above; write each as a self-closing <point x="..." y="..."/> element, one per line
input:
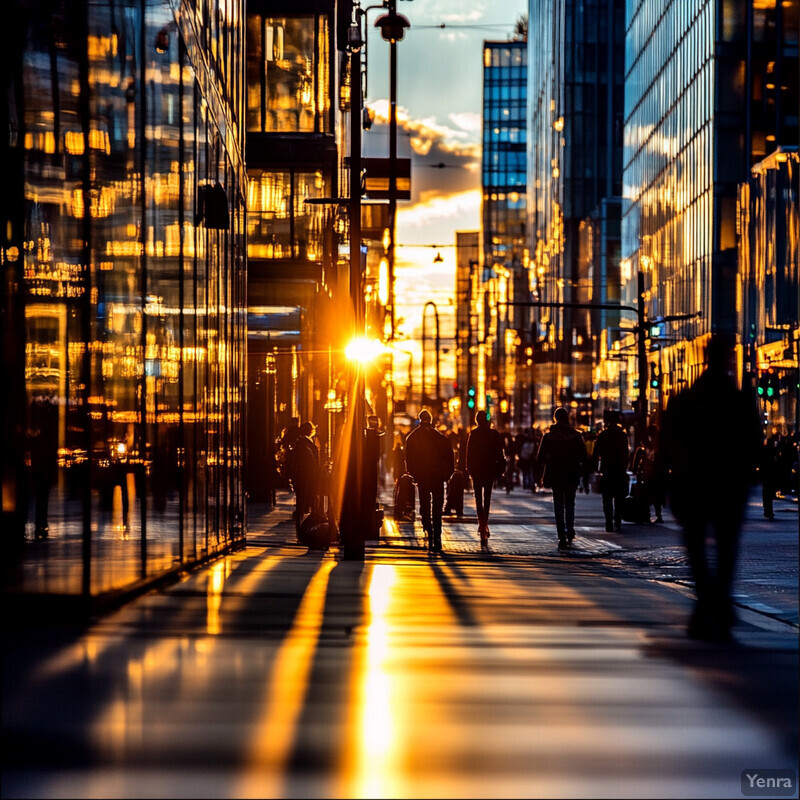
<point x="641" y="422"/>
<point x="392" y="223"/>
<point x="352" y="528"/>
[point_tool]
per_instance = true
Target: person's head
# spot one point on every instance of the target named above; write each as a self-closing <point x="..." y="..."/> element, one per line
<point x="425" y="416"/>
<point x="294" y="421"/>
<point x="482" y="419"/>
<point x="372" y="421"/>
<point x="307" y="429"/>
<point x="561" y="416"/>
<point x="611" y="417"/>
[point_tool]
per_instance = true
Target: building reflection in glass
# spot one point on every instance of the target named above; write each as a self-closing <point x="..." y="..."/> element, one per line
<point x="124" y="253"/>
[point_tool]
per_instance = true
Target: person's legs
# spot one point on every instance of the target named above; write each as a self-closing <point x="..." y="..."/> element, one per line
<point x="569" y="512"/>
<point x="608" y="508"/>
<point x="487" y="504"/>
<point x="694" y="539"/>
<point x="437" y="502"/>
<point x="480" y="508"/>
<point x="558" y="510"/>
<point x="727" y="527"/>
<point x="425" y="511"/>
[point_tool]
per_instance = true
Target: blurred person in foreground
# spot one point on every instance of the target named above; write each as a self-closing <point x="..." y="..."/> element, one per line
<point x="708" y="451"/>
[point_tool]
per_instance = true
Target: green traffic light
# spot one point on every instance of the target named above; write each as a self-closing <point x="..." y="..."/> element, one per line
<point x="770" y="391"/>
<point x="760" y="391"/>
<point x="470" y="403"/>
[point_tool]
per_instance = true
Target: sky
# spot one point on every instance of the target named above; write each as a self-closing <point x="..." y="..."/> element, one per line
<point x="439" y="101"/>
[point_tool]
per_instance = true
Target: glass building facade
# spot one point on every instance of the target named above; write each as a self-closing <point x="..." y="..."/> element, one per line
<point x="503" y="172"/>
<point x="575" y="116"/>
<point x="769" y="290"/>
<point x="124" y="288"/>
<point x="504" y="211"/>
<point x="711" y="88"/>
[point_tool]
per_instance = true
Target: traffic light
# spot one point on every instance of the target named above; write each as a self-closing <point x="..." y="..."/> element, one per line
<point x="767" y="385"/>
<point x="655" y="376"/>
<point x="471" y="397"/>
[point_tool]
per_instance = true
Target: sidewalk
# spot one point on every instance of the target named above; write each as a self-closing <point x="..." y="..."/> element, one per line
<point x="280" y="672"/>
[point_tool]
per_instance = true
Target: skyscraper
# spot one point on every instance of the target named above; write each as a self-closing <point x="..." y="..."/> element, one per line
<point x="575" y="102"/>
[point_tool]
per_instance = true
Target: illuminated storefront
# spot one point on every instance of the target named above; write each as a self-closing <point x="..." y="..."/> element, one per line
<point x="124" y="262"/>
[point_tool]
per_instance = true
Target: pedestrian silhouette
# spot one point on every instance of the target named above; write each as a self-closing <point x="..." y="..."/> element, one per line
<point x="372" y="465"/>
<point x="429" y="460"/>
<point x="647" y="490"/>
<point x="43" y="449"/>
<point x="486" y="462"/>
<point x="561" y="455"/>
<point x="709" y="448"/>
<point x="303" y="461"/>
<point x="610" y="454"/>
<point x="769" y="470"/>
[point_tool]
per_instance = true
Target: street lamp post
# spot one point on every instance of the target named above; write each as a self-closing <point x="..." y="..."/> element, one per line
<point x="352" y="528"/>
<point x="392" y="27"/>
<point x="438" y="341"/>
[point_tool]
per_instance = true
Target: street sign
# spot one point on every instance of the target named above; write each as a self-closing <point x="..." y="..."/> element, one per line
<point x="377" y="175"/>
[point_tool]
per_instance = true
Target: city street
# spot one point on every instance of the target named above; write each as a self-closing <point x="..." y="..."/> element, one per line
<point x="522" y="672"/>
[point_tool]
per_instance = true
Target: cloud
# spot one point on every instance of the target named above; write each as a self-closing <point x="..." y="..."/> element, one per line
<point x="467" y="121"/>
<point x="445" y="158"/>
<point x="435" y="209"/>
<point x="425" y="134"/>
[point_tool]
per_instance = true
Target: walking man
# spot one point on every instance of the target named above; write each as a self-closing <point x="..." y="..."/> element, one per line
<point x="429" y="460"/>
<point x="485" y="463"/>
<point x="561" y="455"/>
<point x="611" y="454"/>
<point x="709" y="473"/>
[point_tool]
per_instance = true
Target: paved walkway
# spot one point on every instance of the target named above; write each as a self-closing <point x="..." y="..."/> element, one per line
<point x="279" y="672"/>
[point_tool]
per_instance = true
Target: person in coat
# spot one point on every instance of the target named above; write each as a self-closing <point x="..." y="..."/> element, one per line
<point x="429" y="460"/>
<point x="486" y="462"/>
<point x="709" y="449"/>
<point x="304" y="471"/>
<point x="561" y="455"/>
<point x="611" y="455"/>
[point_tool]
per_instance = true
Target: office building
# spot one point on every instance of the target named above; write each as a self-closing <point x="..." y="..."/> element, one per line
<point x="123" y="259"/>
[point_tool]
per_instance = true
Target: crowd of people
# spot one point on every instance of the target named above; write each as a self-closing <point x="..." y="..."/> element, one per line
<point x="636" y="477"/>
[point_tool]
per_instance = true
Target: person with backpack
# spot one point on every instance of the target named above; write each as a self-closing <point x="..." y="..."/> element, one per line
<point x="561" y="455"/>
<point x="486" y="461"/>
<point x="429" y="460"/>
